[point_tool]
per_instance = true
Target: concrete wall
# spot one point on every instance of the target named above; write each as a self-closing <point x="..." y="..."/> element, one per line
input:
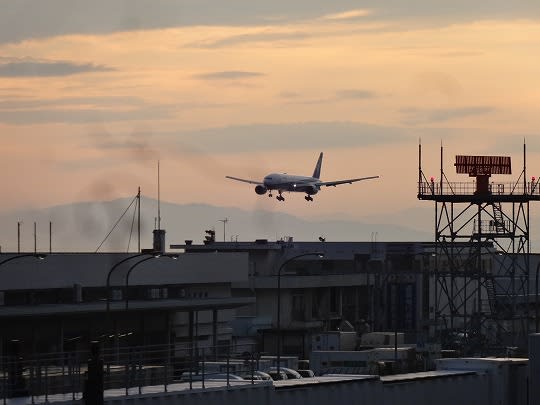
<point x="450" y="389"/>
<point x="440" y="390"/>
<point x="507" y="376"/>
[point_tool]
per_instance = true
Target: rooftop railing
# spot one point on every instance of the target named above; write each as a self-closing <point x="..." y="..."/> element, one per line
<point x="469" y="188"/>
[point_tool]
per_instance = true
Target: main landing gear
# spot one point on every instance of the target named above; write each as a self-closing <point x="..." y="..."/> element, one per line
<point x="280" y="197"/>
<point x="308" y="198"/>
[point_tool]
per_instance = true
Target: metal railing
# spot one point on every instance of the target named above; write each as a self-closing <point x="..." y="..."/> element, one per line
<point x="126" y="370"/>
<point x="469" y="188"/>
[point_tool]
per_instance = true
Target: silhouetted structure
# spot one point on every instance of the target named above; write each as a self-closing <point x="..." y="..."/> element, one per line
<point x="481" y="286"/>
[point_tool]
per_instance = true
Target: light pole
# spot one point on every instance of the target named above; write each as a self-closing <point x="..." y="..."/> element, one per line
<point x="115" y="267"/>
<point x="278" y="319"/>
<point x="172" y="256"/>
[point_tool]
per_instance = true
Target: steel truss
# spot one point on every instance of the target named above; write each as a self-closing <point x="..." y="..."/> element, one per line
<point x="480" y="269"/>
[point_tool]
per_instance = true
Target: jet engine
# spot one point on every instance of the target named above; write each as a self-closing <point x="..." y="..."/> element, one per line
<point x="260" y="189"/>
<point x="312" y="190"/>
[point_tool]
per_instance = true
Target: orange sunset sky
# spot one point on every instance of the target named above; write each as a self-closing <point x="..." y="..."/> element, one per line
<point x="94" y="93"/>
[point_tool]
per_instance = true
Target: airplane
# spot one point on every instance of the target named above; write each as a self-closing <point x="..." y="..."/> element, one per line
<point x="301" y="184"/>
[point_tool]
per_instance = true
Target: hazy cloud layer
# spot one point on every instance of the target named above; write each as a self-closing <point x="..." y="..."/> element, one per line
<point x="84" y="115"/>
<point x="320" y="135"/>
<point x="265" y="37"/>
<point x="355" y="94"/>
<point x="11" y="103"/>
<point x="228" y="75"/>
<point x="24" y="19"/>
<point x="419" y="116"/>
<point x="48" y="69"/>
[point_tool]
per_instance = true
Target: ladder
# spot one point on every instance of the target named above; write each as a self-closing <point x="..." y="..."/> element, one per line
<point x="498" y="217"/>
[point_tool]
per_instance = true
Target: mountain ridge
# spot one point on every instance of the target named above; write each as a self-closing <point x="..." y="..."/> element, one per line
<point x="81" y="226"/>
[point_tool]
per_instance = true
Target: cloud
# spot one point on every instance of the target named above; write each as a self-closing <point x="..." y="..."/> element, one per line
<point x="21" y="103"/>
<point x="30" y="68"/>
<point x="228" y="75"/>
<point x="26" y="19"/>
<point x="340" y="95"/>
<point x="268" y="137"/>
<point x="295" y="136"/>
<point x="84" y="115"/>
<point x="348" y="15"/>
<point x="289" y="95"/>
<point x="355" y="94"/>
<point x="418" y="116"/>
<point x="260" y="37"/>
<point x="31" y="19"/>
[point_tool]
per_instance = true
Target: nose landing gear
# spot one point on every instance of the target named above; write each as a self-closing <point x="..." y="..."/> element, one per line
<point x="308" y="198"/>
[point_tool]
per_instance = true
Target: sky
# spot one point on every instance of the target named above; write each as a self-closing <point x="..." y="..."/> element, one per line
<point x="93" y="94"/>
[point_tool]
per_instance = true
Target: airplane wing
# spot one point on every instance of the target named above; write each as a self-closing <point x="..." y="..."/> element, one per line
<point x="245" y="181"/>
<point x="348" y="181"/>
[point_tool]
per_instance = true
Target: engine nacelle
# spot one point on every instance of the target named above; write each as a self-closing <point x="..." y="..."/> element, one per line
<point x="312" y="190"/>
<point x="260" y="189"/>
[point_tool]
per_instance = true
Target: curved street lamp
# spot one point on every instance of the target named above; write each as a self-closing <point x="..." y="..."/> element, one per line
<point x="108" y="285"/>
<point x="278" y="320"/>
<point x="36" y="255"/>
<point x="172" y="256"/>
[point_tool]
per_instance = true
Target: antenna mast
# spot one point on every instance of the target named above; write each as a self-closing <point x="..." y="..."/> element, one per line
<point x="158" y="200"/>
<point x="139" y="220"/>
<point x="224" y="222"/>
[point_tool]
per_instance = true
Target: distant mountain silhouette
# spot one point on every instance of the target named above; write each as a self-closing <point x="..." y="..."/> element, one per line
<point x="81" y="227"/>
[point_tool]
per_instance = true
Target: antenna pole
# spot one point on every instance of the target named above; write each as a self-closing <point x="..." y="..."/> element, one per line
<point x="524" y="167"/>
<point x="35" y="239"/>
<point x="224" y="222"/>
<point x="419" y="163"/>
<point x="442" y="173"/>
<point x="18" y="236"/>
<point x="158" y="199"/>
<point x="139" y="220"/>
<point x="50" y="236"/>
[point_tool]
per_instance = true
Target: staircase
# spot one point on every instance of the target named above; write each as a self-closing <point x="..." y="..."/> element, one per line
<point x="490" y="289"/>
<point x="499" y="218"/>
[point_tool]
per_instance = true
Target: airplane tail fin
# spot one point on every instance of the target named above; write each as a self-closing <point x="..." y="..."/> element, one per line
<point x="317" y="171"/>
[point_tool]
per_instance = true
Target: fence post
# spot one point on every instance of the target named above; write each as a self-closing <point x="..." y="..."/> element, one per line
<point x="93" y="387"/>
<point x="228" y="364"/>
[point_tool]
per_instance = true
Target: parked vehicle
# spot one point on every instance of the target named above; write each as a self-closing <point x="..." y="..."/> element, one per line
<point x="277" y="376"/>
<point x="306" y="373"/>
<point x="210" y="376"/>
<point x="289" y="372"/>
<point x="257" y="375"/>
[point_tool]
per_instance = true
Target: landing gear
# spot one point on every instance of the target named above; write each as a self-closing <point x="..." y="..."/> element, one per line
<point x="270" y="195"/>
<point x="308" y="198"/>
<point x="280" y="197"/>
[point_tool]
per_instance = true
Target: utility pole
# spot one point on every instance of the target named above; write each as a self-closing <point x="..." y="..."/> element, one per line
<point x="224" y="222"/>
